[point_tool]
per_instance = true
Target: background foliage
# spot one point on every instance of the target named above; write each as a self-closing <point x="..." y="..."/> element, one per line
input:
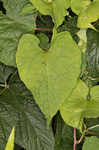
<point x="46" y="108"/>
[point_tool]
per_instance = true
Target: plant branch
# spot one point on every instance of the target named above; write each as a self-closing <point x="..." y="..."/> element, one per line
<point x="92" y="133"/>
<point x="43" y="29"/>
<point x="4" y="85"/>
<point x="95" y="126"/>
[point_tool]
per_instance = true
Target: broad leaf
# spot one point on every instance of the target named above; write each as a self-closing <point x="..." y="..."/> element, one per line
<point x="91" y="143"/>
<point x="76" y="107"/>
<point x="91" y="14"/>
<point x="52" y="73"/>
<point x="10" y="143"/>
<point x="12" y="26"/>
<point x="54" y="8"/>
<point x="17" y="108"/>
<point x="73" y="108"/>
<point x="78" y="5"/>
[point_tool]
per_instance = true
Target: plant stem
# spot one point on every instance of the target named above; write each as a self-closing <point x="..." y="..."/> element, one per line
<point x="43" y="29"/>
<point x="93" y="127"/>
<point x="74" y="146"/>
<point x="92" y="133"/>
<point x="2" y="85"/>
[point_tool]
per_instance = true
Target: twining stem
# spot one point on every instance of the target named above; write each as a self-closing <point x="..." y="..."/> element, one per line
<point x="75" y="141"/>
<point x="43" y="29"/>
<point x="95" y="126"/>
<point x="4" y="85"/>
<point x="84" y="133"/>
<point x="92" y="133"/>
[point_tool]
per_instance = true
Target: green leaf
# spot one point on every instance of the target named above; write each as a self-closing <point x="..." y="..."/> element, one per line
<point x="89" y="15"/>
<point x="78" y="5"/>
<point x="95" y="93"/>
<point x="91" y="143"/>
<point x="12" y="26"/>
<point x="44" y="41"/>
<point x="10" y="144"/>
<point x="54" y="8"/>
<point x="17" y="108"/>
<point x="76" y="107"/>
<point x="52" y="73"/>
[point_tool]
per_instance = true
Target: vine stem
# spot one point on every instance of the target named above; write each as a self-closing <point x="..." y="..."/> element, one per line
<point x="4" y="85"/>
<point x="43" y="29"/>
<point x="75" y="142"/>
<point x="95" y="126"/>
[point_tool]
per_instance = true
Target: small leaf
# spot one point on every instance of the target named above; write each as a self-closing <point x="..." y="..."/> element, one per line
<point x="78" y="5"/>
<point x="10" y="144"/>
<point x="52" y="73"/>
<point x="91" y="143"/>
<point x="91" y="14"/>
<point x="44" y="41"/>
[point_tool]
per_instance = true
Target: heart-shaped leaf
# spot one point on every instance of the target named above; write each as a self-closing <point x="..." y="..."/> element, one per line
<point x="50" y="75"/>
<point x="76" y="107"/>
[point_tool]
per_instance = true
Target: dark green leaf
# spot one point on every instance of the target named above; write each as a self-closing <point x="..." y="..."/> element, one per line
<point x="17" y="108"/>
<point x="12" y="26"/>
<point x="64" y="135"/>
<point x="91" y="74"/>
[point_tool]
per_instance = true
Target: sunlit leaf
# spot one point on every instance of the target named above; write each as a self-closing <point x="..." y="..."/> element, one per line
<point x="10" y="143"/>
<point x="51" y="72"/>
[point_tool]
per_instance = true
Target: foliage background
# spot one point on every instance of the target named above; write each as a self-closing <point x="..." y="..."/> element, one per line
<point x="17" y="105"/>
